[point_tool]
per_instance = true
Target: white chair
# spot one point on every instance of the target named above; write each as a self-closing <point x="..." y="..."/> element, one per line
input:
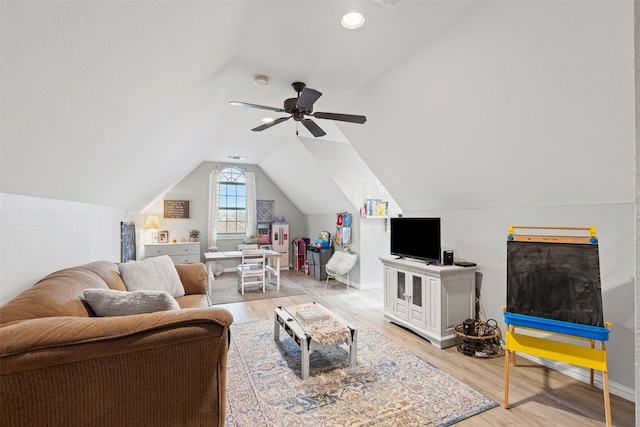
<point x="251" y="270"/>
<point x="340" y="264"/>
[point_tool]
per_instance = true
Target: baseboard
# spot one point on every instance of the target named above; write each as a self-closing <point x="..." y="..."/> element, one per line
<point x="358" y="285"/>
<point x="582" y="374"/>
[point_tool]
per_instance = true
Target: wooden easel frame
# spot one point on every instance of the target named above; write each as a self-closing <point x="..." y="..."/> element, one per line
<point x="523" y="341"/>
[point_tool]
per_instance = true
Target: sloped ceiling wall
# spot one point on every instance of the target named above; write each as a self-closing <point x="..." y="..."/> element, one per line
<point x="514" y="104"/>
<point x="491" y="109"/>
<point x="349" y="172"/>
<point x="98" y="106"/>
<point x="112" y="103"/>
<point x="304" y="180"/>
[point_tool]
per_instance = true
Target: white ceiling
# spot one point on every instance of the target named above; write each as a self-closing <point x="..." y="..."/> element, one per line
<point x="112" y="102"/>
<point x="470" y="104"/>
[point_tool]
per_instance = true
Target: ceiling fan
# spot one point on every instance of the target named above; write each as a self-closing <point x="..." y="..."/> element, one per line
<point x="300" y="107"/>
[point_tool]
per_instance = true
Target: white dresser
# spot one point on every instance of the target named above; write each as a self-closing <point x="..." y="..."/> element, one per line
<point x="180" y="253"/>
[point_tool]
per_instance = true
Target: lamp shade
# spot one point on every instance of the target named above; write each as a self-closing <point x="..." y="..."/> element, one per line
<point x="152" y="222"/>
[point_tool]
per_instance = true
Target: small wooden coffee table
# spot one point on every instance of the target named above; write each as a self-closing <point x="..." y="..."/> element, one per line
<point x="295" y="328"/>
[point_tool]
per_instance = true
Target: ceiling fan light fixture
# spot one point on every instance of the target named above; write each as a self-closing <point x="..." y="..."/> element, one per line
<point x="352" y="20"/>
<point x="298" y="109"/>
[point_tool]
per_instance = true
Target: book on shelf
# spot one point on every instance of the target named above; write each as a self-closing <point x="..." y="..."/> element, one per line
<point x="376" y="207"/>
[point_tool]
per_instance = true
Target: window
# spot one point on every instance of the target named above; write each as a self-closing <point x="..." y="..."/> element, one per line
<point x="232" y="203"/>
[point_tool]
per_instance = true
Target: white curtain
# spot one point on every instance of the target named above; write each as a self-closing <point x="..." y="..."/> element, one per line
<point x="252" y="219"/>
<point x="214" y="198"/>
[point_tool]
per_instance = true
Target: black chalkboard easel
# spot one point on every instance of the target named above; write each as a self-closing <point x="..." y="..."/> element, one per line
<point x="552" y="280"/>
<point x="555" y="277"/>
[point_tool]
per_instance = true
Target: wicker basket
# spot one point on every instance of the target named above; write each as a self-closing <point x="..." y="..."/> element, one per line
<point x="484" y="344"/>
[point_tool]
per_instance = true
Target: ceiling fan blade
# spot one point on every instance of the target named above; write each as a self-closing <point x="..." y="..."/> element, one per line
<point x="313" y="128"/>
<point x="307" y="98"/>
<point x="268" y="125"/>
<point x="351" y="118"/>
<point x="262" y="107"/>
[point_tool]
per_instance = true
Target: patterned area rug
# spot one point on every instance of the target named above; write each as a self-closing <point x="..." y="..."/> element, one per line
<point x="225" y="290"/>
<point x="389" y="387"/>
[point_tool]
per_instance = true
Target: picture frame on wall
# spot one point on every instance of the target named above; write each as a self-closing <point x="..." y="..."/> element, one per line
<point x="176" y="209"/>
<point x="163" y="236"/>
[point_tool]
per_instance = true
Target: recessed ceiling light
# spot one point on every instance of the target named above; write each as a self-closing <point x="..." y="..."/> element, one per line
<point x="267" y="120"/>
<point x="352" y="20"/>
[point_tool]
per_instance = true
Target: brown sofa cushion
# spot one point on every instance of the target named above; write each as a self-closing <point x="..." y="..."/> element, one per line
<point x="193" y="277"/>
<point x="194" y="301"/>
<point x="109" y="303"/>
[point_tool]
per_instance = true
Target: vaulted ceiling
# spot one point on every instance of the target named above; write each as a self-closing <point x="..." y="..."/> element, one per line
<point x="111" y="103"/>
<point x="469" y="103"/>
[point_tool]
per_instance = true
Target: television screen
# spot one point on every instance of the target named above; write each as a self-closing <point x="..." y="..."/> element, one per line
<point x="416" y="238"/>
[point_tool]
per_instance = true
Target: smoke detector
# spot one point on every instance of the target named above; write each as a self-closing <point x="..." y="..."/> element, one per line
<point x="261" y="80"/>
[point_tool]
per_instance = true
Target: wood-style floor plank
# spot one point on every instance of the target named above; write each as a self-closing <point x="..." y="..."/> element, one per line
<point x="538" y="396"/>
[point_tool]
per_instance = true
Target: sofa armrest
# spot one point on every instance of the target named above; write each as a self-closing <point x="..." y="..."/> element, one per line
<point x="164" y="368"/>
<point x="193" y="278"/>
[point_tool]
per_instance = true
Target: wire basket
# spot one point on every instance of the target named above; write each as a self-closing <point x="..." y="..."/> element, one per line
<point x="484" y="343"/>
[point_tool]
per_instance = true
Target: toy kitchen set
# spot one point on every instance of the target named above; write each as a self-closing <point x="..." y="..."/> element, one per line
<point x="273" y="232"/>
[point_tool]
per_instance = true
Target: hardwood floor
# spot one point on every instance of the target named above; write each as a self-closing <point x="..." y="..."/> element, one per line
<point x="538" y="396"/>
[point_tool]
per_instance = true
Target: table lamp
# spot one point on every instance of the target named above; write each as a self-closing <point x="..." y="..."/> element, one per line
<point x="154" y="224"/>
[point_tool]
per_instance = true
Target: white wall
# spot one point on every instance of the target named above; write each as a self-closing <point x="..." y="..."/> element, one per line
<point x="480" y="235"/>
<point x="520" y="113"/>
<point x="195" y="188"/>
<point x="370" y="241"/>
<point x="40" y="236"/>
<point x="514" y="104"/>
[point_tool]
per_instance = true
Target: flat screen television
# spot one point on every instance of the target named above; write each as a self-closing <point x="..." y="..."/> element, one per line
<point x="417" y="238"/>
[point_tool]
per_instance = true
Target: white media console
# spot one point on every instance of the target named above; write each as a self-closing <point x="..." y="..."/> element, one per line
<point x="428" y="299"/>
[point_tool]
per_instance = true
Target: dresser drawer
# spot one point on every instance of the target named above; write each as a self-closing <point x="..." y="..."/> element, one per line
<point x="185" y="259"/>
<point x="179" y="252"/>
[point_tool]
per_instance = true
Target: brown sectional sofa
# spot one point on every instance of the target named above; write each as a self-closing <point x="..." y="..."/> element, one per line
<point x="62" y="366"/>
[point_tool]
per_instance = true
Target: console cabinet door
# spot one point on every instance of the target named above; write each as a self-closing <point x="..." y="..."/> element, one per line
<point x="389" y="290"/>
<point x="458" y="301"/>
<point x="434" y="320"/>
<point x="400" y="294"/>
<point x="418" y="300"/>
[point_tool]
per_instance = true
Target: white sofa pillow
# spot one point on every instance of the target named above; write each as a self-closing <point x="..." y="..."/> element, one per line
<point x="154" y="274"/>
<point x="109" y="302"/>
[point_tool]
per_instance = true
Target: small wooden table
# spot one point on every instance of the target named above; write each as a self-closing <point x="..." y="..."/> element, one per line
<point x="211" y="257"/>
<point x="306" y="343"/>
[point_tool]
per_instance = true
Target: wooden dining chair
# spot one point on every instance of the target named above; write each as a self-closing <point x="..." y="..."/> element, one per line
<point x="251" y="270"/>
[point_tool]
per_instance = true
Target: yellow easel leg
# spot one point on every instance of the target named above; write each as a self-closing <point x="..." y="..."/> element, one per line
<point x="607" y="402"/>
<point x="605" y="390"/>
<point x="506" y="379"/>
<point x="593" y="345"/>
<point x="512" y="330"/>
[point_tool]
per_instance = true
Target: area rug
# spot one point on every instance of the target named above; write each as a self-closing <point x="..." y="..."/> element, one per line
<point x="389" y="387"/>
<point x="224" y="289"/>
